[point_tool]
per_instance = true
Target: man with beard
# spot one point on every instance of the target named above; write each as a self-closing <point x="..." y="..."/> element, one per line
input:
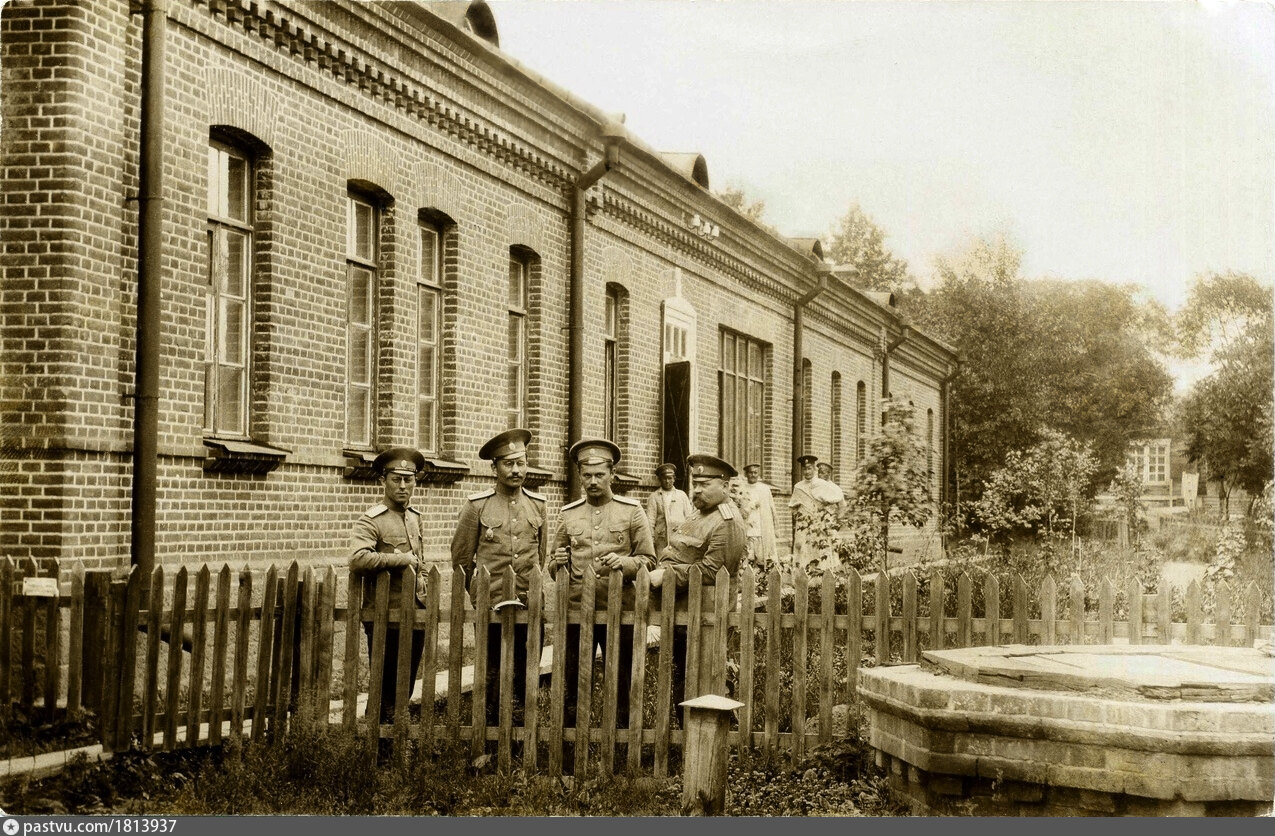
<point x="610" y="533"/>
<point x="713" y="538"/>
<point x="499" y="528"/>
<point x="388" y="537"/>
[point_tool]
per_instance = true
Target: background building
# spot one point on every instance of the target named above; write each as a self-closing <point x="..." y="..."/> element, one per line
<point x="372" y="228"/>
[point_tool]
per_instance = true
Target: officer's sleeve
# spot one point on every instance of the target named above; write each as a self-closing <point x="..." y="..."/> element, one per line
<point x="543" y="510"/>
<point x="725" y="547"/>
<point x="465" y="539"/>
<point x="642" y="545"/>
<point x="363" y="554"/>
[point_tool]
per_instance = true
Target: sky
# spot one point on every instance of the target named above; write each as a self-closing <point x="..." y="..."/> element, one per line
<point x="1132" y="142"/>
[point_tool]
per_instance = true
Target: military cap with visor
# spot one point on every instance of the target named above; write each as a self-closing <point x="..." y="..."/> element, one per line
<point x="807" y="459"/>
<point x="509" y="443"/>
<point x="702" y="464"/>
<point x="594" y="451"/>
<point x="404" y="461"/>
<point x="667" y="467"/>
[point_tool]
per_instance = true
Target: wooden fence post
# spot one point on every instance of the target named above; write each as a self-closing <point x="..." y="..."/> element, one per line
<point x="704" y="765"/>
<point x="97" y="630"/>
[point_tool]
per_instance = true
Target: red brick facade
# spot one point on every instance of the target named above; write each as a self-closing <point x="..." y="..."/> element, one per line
<point x="394" y="104"/>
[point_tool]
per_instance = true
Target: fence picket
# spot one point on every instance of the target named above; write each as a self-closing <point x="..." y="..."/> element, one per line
<point x="199" y="634"/>
<point x="664" y="679"/>
<point x="531" y="697"/>
<point x="992" y="610"/>
<point x="304" y="687"/>
<point x="405" y="619"/>
<point x="610" y="672"/>
<point x="283" y="686"/>
<point x="722" y="605"/>
<point x="828" y="652"/>
<point x="882" y="614"/>
<point x="964" y="611"/>
<point x="854" y="597"/>
<point x="637" y="682"/>
<point x="1164" y="610"/>
<point x="96" y="634"/>
<point x="1252" y="613"/>
<point x="561" y="605"/>
<point x="694" y="631"/>
<point x="584" y="670"/>
<point x="1194" y="614"/>
<point x="75" y="643"/>
<point x="243" y="630"/>
<point x="52" y="634"/>
<point x="801" y="606"/>
<point x="937" y="622"/>
<point x="1135" y="611"/>
<point x="774" y="610"/>
<point x="478" y="712"/>
<point x="1048" y="611"/>
<point x="326" y="616"/>
<point x="456" y="646"/>
<point x="909" y="618"/>
<point x="265" y="635"/>
<point x="1020" y="610"/>
<point x="429" y="655"/>
<point x="8" y="625"/>
<point x="29" y="570"/>
<point x="1077" y="611"/>
<point x="747" y="657"/>
<point x="124" y="702"/>
<point x="1106" y="612"/>
<point x="1222" y="614"/>
<point x="221" y="636"/>
<point x="353" y="629"/>
<point x="176" y="636"/>
<point x="505" y="712"/>
<point x="150" y="696"/>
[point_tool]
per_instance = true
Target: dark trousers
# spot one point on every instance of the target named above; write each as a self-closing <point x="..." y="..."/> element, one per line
<point x="571" y="670"/>
<point x="679" y="669"/>
<point x="493" y="669"/>
<point x="389" y="675"/>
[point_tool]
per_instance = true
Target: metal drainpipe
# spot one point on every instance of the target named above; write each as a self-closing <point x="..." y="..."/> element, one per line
<point x="885" y="360"/>
<point x="149" y="275"/>
<point x="798" y="388"/>
<point x="946" y="397"/>
<point x="575" y="331"/>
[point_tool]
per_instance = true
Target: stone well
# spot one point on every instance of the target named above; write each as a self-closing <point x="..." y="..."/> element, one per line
<point x="1078" y="730"/>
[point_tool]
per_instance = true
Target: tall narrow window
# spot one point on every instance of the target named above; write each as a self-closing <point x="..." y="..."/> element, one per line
<point x="834" y="452"/>
<point x="860" y="420"/>
<point x="228" y="299"/>
<point x="429" y="327"/>
<point x="516" y="381"/>
<point x="361" y="271"/>
<point x="929" y="441"/>
<point x="742" y="393"/>
<point x="611" y="363"/>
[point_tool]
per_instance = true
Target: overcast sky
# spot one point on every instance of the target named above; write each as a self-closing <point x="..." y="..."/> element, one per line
<point x="1125" y="141"/>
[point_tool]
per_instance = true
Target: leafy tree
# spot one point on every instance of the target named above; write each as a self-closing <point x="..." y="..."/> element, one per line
<point x="1043" y="489"/>
<point x="734" y="197"/>
<point x="857" y="240"/>
<point x="1227" y="417"/>
<point x="891" y="481"/>
<point x="1127" y="488"/>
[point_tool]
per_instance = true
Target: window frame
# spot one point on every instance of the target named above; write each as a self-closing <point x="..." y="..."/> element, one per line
<point x="611" y="364"/>
<point x="516" y="380"/>
<point x="748" y="444"/>
<point x="429" y="284"/>
<point x="368" y="263"/>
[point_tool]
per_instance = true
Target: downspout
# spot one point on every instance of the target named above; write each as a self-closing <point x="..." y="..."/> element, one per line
<point x="885" y="362"/>
<point x="611" y="134"/>
<point x="149" y="274"/>
<point x="945" y="399"/>
<point x="822" y="271"/>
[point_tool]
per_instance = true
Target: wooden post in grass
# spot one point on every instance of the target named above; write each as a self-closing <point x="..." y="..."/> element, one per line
<point x="704" y="762"/>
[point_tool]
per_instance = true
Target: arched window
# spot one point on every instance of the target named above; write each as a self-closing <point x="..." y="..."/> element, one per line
<point x="834" y="452"/>
<point x="807" y="407"/>
<point x="860" y="420"/>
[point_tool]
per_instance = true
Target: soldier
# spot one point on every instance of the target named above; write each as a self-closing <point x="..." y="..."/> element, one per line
<point x="667" y="507"/>
<point x="612" y="533"/>
<point x="498" y="528"/>
<point x="388" y="536"/>
<point x="713" y="538"/>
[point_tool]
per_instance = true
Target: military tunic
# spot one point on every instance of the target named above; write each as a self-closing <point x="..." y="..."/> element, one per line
<point x="711" y="540"/>
<point x="666" y="510"/>
<point x="384" y="539"/>
<point x="497" y="531"/>
<point x="590" y="531"/>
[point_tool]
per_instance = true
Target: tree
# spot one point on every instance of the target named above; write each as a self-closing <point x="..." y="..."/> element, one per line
<point x="892" y="481"/>
<point x="734" y="197"/>
<point x="1227" y="417"/>
<point x="857" y="240"/>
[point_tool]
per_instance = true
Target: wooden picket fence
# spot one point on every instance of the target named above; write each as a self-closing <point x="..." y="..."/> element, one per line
<point x="256" y="656"/>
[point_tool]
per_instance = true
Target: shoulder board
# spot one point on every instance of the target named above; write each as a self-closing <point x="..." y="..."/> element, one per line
<point x="572" y="504"/>
<point x="627" y="501"/>
<point x="376" y="510"/>
<point x="727" y="510"/>
<point x="536" y="496"/>
<point x="414" y="510"/>
<point x="473" y="497"/>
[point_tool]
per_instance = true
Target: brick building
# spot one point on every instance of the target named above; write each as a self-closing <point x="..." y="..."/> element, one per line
<point x="369" y="220"/>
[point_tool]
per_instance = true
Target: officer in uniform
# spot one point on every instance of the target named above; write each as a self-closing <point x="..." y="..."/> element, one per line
<point x="388" y="537"/>
<point x="713" y="538"/>
<point x="499" y="528"/>
<point x="611" y="533"/>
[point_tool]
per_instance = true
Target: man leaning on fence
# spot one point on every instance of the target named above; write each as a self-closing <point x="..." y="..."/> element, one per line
<point x="499" y="528"/>
<point x="611" y="533"/>
<point x="388" y="538"/>
<point x="713" y="538"/>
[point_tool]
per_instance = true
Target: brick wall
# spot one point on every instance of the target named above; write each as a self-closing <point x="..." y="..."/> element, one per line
<point x="325" y="98"/>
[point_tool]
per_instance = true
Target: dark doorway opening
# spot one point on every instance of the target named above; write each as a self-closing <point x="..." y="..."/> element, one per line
<point x="677" y="415"/>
